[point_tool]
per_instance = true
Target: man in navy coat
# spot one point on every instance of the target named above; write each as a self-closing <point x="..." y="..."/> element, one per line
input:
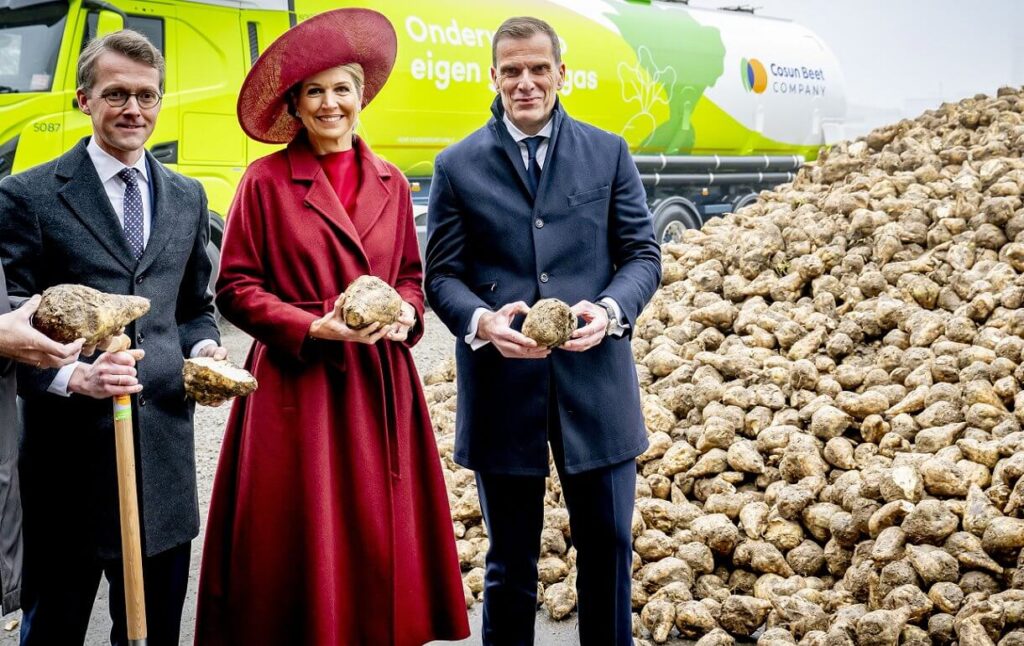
<point x="537" y="205"/>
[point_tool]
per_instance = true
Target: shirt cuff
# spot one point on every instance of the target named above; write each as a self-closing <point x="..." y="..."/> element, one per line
<point x="59" y="385"/>
<point x="620" y="326"/>
<point x="198" y="347"/>
<point x="475" y="343"/>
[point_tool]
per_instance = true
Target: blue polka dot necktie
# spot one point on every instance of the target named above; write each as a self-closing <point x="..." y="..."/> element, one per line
<point x="532" y="167"/>
<point x="132" y="211"/>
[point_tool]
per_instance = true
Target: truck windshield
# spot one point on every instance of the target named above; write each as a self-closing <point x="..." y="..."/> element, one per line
<point x="29" y="43"/>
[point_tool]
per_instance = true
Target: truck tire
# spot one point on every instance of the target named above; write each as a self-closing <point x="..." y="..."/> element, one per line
<point x="213" y="250"/>
<point x="216" y="228"/>
<point x="743" y="200"/>
<point x="672" y="216"/>
<point x="213" y="246"/>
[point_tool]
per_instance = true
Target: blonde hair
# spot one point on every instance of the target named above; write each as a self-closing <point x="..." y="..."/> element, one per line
<point x="355" y="70"/>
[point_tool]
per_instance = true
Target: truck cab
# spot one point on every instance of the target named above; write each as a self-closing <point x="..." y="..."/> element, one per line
<point x="197" y="133"/>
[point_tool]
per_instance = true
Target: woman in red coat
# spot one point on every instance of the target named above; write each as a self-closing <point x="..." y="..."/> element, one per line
<point x="329" y="523"/>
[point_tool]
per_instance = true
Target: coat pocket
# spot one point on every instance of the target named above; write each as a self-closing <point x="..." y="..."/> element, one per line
<point x="488" y="293"/>
<point x="586" y="197"/>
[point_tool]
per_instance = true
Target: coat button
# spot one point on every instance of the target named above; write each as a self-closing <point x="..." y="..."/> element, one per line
<point x="544" y="277"/>
<point x="142" y="400"/>
<point x="138" y="281"/>
<point x="538" y="223"/>
<point x="142" y="337"/>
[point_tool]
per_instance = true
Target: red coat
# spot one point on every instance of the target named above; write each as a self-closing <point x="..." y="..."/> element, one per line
<point x="329" y="522"/>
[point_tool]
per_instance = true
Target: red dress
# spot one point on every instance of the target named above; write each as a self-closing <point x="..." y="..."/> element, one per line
<point x="329" y="522"/>
<point x="342" y="169"/>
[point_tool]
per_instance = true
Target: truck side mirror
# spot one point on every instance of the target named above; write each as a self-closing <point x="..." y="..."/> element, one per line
<point x="103" y="18"/>
<point x="108" y="22"/>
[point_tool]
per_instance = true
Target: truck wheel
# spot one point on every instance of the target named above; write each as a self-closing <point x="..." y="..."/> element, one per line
<point x="216" y="228"/>
<point x="672" y="217"/>
<point x="743" y="200"/>
<point x="213" y="250"/>
<point x="213" y="246"/>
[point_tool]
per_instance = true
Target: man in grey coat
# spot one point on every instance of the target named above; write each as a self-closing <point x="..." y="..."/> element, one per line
<point x="18" y="342"/>
<point x="108" y="215"/>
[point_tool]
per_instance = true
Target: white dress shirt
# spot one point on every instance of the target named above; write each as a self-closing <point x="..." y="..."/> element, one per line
<point x="542" y="152"/>
<point x="107" y="167"/>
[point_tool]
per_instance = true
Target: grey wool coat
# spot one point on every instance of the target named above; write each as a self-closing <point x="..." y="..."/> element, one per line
<point x="57" y="226"/>
<point x="10" y="494"/>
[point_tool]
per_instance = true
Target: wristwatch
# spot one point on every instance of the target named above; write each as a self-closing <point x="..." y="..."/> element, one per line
<point x="613" y="318"/>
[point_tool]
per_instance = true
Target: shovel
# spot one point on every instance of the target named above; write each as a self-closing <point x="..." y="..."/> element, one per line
<point x="131" y="542"/>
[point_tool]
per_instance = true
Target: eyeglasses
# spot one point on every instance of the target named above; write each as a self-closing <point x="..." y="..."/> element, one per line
<point x="119" y="98"/>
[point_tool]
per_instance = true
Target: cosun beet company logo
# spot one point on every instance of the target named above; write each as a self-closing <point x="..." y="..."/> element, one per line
<point x="755" y="78"/>
<point x="779" y="78"/>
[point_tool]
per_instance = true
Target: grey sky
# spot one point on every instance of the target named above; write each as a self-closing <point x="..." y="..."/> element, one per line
<point x="901" y="57"/>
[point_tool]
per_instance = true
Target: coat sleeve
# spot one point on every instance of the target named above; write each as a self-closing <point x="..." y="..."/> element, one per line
<point x="447" y="290"/>
<point x="634" y="250"/>
<point x="243" y="295"/>
<point x="409" y="284"/>
<point x="194" y="311"/>
<point x="22" y="255"/>
<point x="5" y="363"/>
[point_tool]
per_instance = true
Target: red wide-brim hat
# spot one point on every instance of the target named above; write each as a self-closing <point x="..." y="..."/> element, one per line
<point x="324" y="41"/>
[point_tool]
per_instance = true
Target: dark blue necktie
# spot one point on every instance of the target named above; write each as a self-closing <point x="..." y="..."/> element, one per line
<point x="132" y="211"/>
<point x="532" y="167"/>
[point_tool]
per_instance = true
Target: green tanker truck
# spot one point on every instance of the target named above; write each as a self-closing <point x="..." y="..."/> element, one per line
<point x="715" y="104"/>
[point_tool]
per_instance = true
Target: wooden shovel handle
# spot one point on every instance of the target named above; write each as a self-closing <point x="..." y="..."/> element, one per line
<point x="119" y="343"/>
<point x="131" y="543"/>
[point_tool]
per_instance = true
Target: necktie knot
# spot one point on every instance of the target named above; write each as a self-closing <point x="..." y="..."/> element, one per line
<point x="532" y="144"/>
<point x="127" y="175"/>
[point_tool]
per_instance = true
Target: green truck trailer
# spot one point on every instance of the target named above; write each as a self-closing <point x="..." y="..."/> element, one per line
<point x="715" y="104"/>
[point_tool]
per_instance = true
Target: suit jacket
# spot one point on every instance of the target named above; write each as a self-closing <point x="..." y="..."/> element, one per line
<point x="57" y="226"/>
<point x="10" y="493"/>
<point x="586" y="235"/>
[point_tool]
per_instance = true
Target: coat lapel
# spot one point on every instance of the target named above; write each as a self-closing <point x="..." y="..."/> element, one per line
<point x="550" y="158"/>
<point x="374" y="191"/>
<point x="513" y="153"/>
<point x="164" y="218"/>
<point x="321" y="196"/>
<point x="85" y="196"/>
<point x="511" y="148"/>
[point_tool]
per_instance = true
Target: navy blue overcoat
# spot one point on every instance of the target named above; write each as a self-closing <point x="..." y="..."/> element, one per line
<point x="587" y="235"/>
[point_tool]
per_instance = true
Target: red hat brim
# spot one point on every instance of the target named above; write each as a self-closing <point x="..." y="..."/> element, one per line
<point x="324" y="41"/>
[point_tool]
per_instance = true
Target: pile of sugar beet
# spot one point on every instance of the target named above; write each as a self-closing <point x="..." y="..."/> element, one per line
<point x="832" y="384"/>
